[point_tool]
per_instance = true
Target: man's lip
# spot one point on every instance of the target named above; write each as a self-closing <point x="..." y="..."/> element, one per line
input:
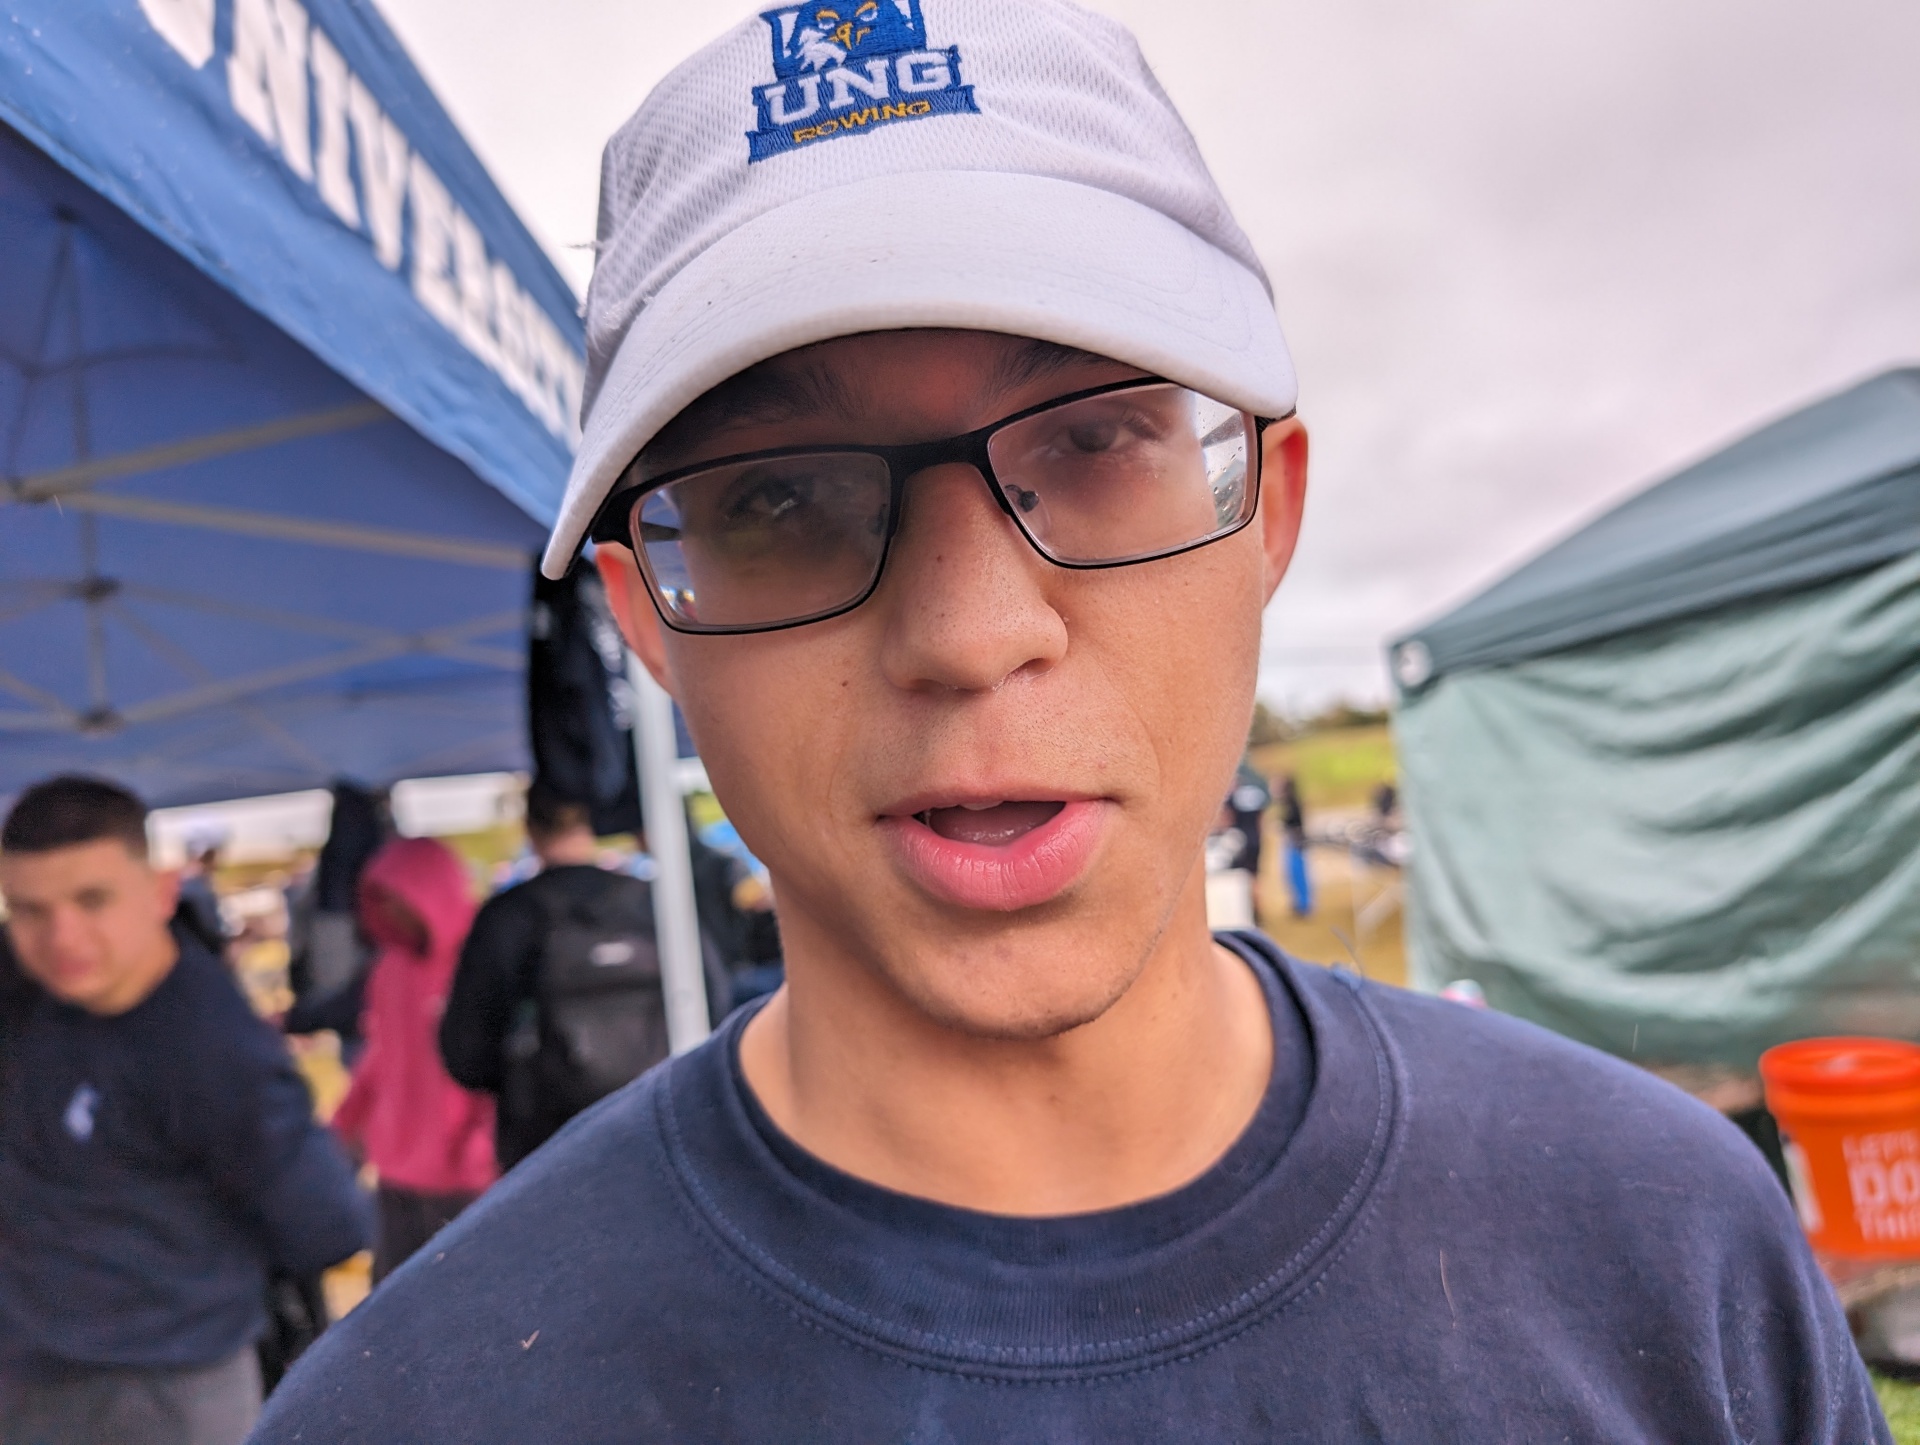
<point x="917" y="803"/>
<point x="1034" y="868"/>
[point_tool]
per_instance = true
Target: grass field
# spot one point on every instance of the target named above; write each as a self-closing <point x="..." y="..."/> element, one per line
<point x="1335" y="768"/>
<point x="1901" y="1401"/>
<point x="1344" y="932"/>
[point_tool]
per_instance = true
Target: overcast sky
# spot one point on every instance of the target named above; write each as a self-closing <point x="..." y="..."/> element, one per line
<point x="1531" y="254"/>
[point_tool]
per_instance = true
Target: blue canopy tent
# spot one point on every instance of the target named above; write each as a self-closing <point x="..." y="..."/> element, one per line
<point x="1664" y="779"/>
<point x="287" y="399"/>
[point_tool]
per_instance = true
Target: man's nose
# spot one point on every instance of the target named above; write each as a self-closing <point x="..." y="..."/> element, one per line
<point x="67" y="930"/>
<point x="966" y="598"/>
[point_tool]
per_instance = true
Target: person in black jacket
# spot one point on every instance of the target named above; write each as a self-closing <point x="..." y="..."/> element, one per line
<point x="330" y="956"/>
<point x="557" y="998"/>
<point x="158" y="1152"/>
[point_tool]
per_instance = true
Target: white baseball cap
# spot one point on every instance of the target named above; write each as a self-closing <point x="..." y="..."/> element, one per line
<point x="869" y="165"/>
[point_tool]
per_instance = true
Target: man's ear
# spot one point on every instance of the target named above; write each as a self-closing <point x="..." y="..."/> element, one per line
<point x="166" y="891"/>
<point x="1283" y="495"/>
<point x="633" y="610"/>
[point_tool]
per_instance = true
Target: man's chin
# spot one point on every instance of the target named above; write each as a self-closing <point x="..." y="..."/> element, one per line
<point x="84" y="992"/>
<point x="1015" y="1026"/>
<point x="1035" y="974"/>
<point x="1013" y="1000"/>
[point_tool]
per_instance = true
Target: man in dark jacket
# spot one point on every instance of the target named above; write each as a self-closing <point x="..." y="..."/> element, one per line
<point x="158" y="1154"/>
<point x="557" y="1000"/>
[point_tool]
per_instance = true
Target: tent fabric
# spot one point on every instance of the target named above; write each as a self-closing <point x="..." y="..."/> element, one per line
<point x="284" y="407"/>
<point x="1686" y="843"/>
<point x="1831" y="490"/>
<point x="294" y="154"/>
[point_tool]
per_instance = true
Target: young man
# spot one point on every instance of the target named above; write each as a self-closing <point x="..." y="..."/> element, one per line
<point x="557" y="999"/>
<point x="158" y="1153"/>
<point x="927" y="424"/>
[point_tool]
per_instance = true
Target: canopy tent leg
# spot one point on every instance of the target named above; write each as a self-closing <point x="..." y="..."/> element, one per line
<point x="675" y="921"/>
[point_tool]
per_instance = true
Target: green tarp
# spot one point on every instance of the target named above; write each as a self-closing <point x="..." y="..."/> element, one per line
<point x="1691" y="839"/>
<point x="1829" y="490"/>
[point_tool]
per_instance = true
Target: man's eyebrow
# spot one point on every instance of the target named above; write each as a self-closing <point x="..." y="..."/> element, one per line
<point x="758" y="396"/>
<point x="1036" y="360"/>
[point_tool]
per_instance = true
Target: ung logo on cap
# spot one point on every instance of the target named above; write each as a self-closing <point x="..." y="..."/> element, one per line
<point x="848" y="67"/>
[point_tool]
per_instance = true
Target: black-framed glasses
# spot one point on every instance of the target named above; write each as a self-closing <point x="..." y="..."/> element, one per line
<point x="1108" y="477"/>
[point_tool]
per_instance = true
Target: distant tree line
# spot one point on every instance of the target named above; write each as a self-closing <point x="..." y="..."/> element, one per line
<point x="1271" y="726"/>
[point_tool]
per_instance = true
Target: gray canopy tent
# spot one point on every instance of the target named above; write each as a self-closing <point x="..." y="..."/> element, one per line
<point x="1664" y="780"/>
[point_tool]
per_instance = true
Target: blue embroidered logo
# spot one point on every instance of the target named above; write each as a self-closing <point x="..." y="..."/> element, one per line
<point x="79" y="1115"/>
<point x="850" y="66"/>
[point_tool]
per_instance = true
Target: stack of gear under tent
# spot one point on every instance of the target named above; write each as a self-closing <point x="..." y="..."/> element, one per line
<point x="1664" y="780"/>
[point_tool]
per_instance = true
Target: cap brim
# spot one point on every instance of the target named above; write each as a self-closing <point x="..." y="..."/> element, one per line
<point x="975" y="250"/>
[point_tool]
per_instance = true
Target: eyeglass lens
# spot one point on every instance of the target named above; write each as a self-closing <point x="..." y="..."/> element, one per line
<point x="757" y="543"/>
<point x="1120" y="477"/>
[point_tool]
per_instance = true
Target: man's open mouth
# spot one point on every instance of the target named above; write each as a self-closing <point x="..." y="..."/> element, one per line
<point x="1000" y="854"/>
<point x="990" y="825"/>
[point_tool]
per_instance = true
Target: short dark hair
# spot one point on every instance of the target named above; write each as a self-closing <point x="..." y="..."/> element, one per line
<point x="549" y="814"/>
<point x="70" y="810"/>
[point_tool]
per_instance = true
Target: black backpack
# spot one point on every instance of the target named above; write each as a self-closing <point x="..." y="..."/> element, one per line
<point x="600" y="1018"/>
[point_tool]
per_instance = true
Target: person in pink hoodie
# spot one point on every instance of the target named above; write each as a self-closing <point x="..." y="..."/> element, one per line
<point x="430" y="1139"/>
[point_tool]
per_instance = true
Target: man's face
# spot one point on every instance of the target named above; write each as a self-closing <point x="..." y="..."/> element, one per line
<point x="1081" y="726"/>
<point x="89" y="923"/>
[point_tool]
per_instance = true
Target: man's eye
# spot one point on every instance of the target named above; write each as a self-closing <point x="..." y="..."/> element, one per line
<point x="1109" y="430"/>
<point x="1093" y="436"/>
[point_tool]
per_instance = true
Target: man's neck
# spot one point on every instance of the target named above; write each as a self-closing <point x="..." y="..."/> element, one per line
<point x="1132" y="1105"/>
<point x="569" y="851"/>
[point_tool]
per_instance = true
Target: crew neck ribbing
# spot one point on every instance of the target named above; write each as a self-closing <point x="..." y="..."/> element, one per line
<point x="1031" y="1298"/>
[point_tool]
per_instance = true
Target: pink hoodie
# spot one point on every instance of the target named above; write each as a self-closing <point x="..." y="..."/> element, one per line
<point x="421" y="1130"/>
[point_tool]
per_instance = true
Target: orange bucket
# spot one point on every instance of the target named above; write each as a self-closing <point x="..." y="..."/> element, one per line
<point x="1849" y="1116"/>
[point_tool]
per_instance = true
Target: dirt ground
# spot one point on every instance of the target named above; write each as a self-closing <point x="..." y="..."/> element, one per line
<point x="1357" y="910"/>
<point x="1356" y="918"/>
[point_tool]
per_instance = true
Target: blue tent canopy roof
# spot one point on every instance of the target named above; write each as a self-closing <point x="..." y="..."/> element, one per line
<point x="286" y="400"/>
<point x="294" y="154"/>
<point x="1828" y="491"/>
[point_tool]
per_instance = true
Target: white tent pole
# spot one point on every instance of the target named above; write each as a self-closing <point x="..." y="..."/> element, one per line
<point x="676" y="924"/>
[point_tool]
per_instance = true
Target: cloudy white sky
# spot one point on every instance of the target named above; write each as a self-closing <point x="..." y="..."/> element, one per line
<point x="1531" y="254"/>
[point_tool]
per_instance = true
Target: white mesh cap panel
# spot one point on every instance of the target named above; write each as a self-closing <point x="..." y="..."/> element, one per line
<point x="710" y="261"/>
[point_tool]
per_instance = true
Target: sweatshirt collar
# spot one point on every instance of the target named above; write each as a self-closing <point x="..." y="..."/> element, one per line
<point x="1047" y="1298"/>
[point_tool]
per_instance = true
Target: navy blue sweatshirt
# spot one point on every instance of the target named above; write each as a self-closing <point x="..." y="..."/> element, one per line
<point x="153" y="1166"/>
<point x="1441" y="1225"/>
